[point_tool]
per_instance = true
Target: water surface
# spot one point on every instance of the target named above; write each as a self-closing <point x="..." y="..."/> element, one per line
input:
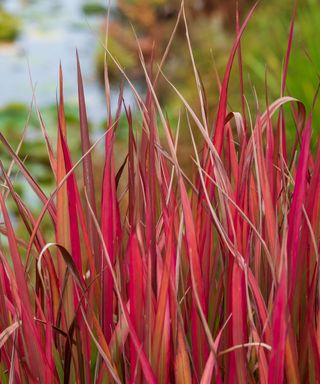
<point x="51" y="31"/>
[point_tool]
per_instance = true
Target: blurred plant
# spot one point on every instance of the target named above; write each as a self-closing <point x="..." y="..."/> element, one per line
<point x="9" y="26"/>
<point x="153" y="22"/>
<point x="26" y="138"/>
<point x="94" y="8"/>
<point x="264" y="46"/>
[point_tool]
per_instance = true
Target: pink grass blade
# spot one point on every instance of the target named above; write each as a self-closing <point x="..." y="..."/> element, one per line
<point x="212" y="362"/>
<point x="63" y="220"/>
<point x="6" y="333"/>
<point x="110" y="226"/>
<point x="52" y="158"/>
<point x="161" y="331"/>
<point x="35" y="352"/>
<point x="87" y="164"/>
<point x="182" y="368"/>
<point x="136" y="296"/>
<point x="71" y="188"/>
<point x="279" y="332"/>
<point x="222" y="109"/>
<point x="295" y="213"/>
<point x="239" y="326"/>
<point x="243" y="103"/>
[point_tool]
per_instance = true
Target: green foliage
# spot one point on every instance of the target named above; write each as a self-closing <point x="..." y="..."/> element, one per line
<point x="264" y="46"/>
<point x="9" y="26"/>
<point x="94" y="8"/>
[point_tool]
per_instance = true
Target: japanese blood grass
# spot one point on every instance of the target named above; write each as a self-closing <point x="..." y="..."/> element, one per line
<point x="167" y="279"/>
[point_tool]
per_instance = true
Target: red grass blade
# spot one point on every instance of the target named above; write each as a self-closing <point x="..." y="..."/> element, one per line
<point x="220" y="120"/>
<point x="34" y="351"/>
<point x="136" y="296"/>
<point x="87" y="165"/>
<point x="279" y="332"/>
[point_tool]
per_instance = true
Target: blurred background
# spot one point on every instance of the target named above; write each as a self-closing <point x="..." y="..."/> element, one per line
<point x="35" y="35"/>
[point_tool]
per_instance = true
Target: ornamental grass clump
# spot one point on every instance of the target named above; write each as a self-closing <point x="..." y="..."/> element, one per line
<point x="168" y="278"/>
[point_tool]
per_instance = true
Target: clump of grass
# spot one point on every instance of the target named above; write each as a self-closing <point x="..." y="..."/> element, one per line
<point x="167" y="278"/>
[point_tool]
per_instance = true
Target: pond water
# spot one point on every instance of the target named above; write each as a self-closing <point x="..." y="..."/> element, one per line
<point x="51" y="31"/>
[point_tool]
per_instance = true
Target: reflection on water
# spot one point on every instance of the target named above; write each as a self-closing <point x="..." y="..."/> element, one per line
<point x="51" y="31"/>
